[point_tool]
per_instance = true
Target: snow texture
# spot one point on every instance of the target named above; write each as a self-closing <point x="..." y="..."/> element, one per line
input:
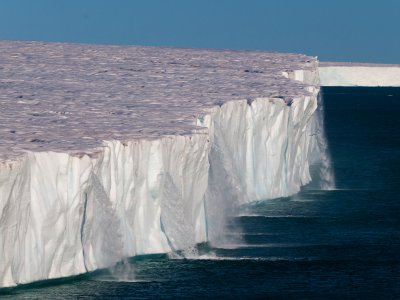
<point x="109" y="152"/>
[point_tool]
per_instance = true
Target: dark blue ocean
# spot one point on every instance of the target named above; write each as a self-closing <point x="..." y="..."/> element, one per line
<point x="340" y="244"/>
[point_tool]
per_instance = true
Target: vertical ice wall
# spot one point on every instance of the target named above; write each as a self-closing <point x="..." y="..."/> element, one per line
<point x="159" y="183"/>
<point x="63" y="215"/>
<point x="260" y="149"/>
<point x="359" y="74"/>
<point x="321" y="158"/>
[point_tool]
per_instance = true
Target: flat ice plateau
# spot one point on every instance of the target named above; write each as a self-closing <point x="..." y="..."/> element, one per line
<point x="359" y="74"/>
<point x="108" y="152"/>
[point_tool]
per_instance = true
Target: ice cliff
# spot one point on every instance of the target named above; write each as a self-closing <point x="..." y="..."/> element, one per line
<point x="109" y="152"/>
<point x="359" y="74"/>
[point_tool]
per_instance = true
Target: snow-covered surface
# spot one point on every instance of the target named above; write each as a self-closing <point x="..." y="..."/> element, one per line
<point x="109" y="151"/>
<point x="87" y="94"/>
<point x="358" y="74"/>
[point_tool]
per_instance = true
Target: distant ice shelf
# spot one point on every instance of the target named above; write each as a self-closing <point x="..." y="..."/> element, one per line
<point x="109" y="152"/>
<point x="359" y="74"/>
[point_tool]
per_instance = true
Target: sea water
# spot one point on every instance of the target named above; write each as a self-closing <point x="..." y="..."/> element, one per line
<point x="340" y="243"/>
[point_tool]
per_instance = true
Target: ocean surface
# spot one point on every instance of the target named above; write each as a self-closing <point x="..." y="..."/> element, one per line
<point x="343" y="243"/>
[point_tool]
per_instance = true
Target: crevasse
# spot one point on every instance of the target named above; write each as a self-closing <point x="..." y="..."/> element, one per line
<point x="63" y="214"/>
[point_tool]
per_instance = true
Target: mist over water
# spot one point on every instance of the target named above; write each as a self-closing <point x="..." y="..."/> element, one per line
<point x="326" y="174"/>
<point x="318" y="244"/>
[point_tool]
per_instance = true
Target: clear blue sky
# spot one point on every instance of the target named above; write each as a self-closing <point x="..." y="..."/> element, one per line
<point x="348" y="30"/>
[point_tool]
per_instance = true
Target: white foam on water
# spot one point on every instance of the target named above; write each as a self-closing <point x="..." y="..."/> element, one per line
<point x="269" y="245"/>
<point x="304" y="200"/>
<point x="212" y="257"/>
<point x="123" y="271"/>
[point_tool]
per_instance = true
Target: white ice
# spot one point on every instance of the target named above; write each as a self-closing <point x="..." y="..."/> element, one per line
<point x="109" y="152"/>
<point x="352" y="74"/>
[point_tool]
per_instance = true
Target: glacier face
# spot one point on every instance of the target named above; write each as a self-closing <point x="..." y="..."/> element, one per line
<point x="64" y="215"/>
<point x="96" y="167"/>
<point x="352" y="74"/>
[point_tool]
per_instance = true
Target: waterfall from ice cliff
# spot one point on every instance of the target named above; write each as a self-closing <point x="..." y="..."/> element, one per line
<point x="326" y="175"/>
<point x="128" y="151"/>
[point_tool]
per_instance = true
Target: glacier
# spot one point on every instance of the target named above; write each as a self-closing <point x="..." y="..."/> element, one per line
<point x="109" y="152"/>
<point x="359" y="74"/>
